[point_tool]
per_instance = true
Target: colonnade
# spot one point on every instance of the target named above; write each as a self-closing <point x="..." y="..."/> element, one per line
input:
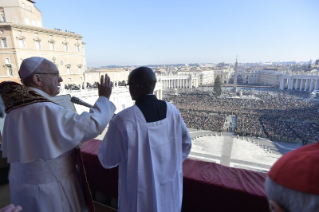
<point x="179" y="82"/>
<point x="301" y="83"/>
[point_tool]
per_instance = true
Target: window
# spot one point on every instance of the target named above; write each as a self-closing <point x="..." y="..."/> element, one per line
<point x="66" y="47"/>
<point x="80" y="78"/>
<point x="21" y="43"/>
<point x="51" y="46"/>
<point x="26" y="21"/>
<point x="37" y="45"/>
<point x="4" y="43"/>
<point x="19" y="32"/>
<point x="34" y="23"/>
<point x="23" y="6"/>
<point x="80" y="70"/>
<point x="68" y="70"/>
<point x="78" y="48"/>
<point x="69" y="79"/>
<point x="7" y="59"/>
<point x="2" y="14"/>
<point x="9" y="70"/>
<point x="50" y="36"/>
<point x="1" y="31"/>
<point x="30" y="8"/>
<point x="36" y="34"/>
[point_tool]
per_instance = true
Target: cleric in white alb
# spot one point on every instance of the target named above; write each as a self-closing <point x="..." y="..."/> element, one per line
<point x="149" y="141"/>
<point x="40" y="137"/>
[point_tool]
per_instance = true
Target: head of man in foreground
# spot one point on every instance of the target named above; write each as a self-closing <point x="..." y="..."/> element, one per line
<point x="292" y="184"/>
<point x="42" y="74"/>
<point x="141" y="82"/>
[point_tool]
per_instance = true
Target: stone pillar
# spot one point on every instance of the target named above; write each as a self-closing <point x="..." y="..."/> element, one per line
<point x="282" y="84"/>
<point x="311" y="85"/>
<point x="290" y="86"/>
<point x="301" y="84"/>
<point x="297" y="84"/>
<point x="307" y="85"/>
<point x="317" y="85"/>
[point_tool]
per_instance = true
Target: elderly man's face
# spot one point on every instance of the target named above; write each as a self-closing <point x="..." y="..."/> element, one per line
<point x="51" y="81"/>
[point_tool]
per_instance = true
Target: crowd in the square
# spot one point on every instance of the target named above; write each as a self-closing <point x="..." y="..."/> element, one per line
<point x="278" y="116"/>
<point x="203" y="120"/>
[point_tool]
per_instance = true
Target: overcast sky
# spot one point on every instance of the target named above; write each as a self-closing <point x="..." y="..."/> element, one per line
<point x="140" y="32"/>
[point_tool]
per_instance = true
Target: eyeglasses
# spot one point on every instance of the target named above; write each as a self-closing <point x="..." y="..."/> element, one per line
<point x="57" y="74"/>
<point x="128" y="84"/>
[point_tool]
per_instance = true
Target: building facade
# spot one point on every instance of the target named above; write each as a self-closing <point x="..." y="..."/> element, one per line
<point x="116" y="75"/>
<point x="264" y="77"/>
<point x="22" y="36"/>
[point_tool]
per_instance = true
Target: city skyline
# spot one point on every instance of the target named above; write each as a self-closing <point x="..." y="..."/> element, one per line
<point x="179" y="32"/>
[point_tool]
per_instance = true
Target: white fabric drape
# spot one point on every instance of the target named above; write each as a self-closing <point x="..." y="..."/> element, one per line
<point x="39" y="141"/>
<point x="150" y="157"/>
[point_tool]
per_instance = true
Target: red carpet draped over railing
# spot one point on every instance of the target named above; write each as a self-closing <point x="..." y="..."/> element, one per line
<point x="207" y="186"/>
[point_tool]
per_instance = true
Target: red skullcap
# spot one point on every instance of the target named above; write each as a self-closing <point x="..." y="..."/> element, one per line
<point x="298" y="169"/>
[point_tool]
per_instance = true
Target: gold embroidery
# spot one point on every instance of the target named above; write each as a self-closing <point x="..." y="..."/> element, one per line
<point x="15" y="95"/>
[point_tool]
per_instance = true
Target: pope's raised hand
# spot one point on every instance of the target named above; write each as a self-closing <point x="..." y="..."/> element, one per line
<point x="105" y="86"/>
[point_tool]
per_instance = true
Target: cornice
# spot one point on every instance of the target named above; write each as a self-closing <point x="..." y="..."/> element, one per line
<point x="51" y="41"/>
<point x="37" y="39"/>
<point x="40" y="29"/>
<point x="20" y="37"/>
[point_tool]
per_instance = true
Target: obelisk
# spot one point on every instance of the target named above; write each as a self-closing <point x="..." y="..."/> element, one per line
<point x="235" y="78"/>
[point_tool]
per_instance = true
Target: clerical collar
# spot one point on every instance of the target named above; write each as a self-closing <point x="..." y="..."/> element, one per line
<point x="146" y="98"/>
<point x="41" y="92"/>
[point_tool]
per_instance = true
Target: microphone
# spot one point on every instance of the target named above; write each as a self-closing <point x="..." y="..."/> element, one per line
<point x="80" y="102"/>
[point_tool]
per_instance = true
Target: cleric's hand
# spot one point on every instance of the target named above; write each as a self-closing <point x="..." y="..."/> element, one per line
<point x="11" y="208"/>
<point x="105" y="86"/>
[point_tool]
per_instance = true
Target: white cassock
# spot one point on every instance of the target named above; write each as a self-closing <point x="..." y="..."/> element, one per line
<point x="39" y="141"/>
<point x="150" y="157"/>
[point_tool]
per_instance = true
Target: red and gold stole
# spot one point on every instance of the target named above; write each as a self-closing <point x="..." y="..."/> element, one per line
<point x="15" y="95"/>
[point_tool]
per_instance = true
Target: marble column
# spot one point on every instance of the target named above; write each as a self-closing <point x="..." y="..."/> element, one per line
<point x="282" y="82"/>
<point x="301" y="84"/>
<point x="311" y="85"/>
<point x="307" y="84"/>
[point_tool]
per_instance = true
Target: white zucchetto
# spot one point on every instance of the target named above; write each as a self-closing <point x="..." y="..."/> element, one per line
<point x="29" y="65"/>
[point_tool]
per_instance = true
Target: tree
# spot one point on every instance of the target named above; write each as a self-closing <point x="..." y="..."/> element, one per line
<point x="218" y="86"/>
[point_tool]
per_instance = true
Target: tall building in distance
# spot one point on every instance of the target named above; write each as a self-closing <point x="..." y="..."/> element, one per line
<point x="22" y="35"/>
